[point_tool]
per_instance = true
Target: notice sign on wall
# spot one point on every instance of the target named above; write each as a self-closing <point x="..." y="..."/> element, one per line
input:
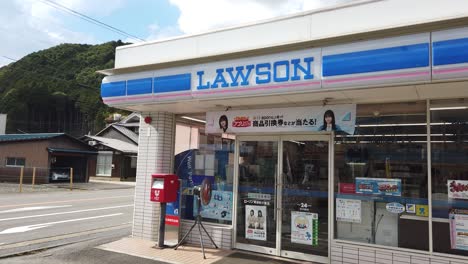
<point x="304" y="228"/>
<point x="348" y="210"/>
<point x="457" y="189"/>
<point x="339" y="118"/>
<point x="255" y="222"/>
<point x="458" y="220"/>
<point x="381" y="186"/>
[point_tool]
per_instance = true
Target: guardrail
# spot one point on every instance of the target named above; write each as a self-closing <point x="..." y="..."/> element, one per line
<point x="35" y="175"/>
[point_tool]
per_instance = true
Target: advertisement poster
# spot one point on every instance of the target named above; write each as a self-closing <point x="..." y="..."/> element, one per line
<point x="304" y="228"/>
<point x="381" y="186"/>
<point x="458" y="220"/>
<point x="339" y="118"/>
<point x="347" y="187"/>
<point x="255" y="222"/>
<point x="457" y="189"/>
<point x="422" y="210"/>
<point x="219" y="207"/>
<point x="348" y="210"/>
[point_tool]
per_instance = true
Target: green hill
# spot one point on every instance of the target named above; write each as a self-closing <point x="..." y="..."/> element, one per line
<point x="57" y="90"/>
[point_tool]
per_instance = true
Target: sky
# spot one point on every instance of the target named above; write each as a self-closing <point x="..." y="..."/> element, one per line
<point x="27" y="26"/>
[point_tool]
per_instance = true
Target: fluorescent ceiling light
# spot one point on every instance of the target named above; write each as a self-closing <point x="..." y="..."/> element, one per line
<point x="409" y="124"/>
<point x="356" y="163"/>
<point x="448" y="108"/>
<point x="194" y="119"/>
<point x="297" y="142"/>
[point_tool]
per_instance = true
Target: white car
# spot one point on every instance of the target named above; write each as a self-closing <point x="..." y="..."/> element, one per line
<point x="60" y="176"/>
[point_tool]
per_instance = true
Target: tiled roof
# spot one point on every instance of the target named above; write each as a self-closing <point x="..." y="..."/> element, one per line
<point x="116" y="144"/>
<point x="127" y="132"/>
<point x="26" y="137"/>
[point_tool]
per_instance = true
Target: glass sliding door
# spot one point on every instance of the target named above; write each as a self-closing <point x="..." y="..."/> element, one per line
<point x="283" y="196"/>
<point x="256" y="197"/>
<point x="304" y="199"/>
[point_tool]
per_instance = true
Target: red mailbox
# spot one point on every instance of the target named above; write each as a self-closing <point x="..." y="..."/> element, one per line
<point x="164" y="188"/>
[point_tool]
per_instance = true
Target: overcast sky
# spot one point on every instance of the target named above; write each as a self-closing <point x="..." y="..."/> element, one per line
<point x="31" y="25"/>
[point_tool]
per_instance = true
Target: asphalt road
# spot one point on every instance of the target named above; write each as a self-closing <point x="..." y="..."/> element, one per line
<point x="33" y="221"/>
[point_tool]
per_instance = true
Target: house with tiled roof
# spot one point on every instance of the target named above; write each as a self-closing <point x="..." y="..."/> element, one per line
<point x="117" y="146"/>
<point x="49" y="156"/>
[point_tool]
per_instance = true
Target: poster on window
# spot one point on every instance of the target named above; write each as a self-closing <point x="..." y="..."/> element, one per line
<point x="219" y="208"/>
<point x="304" y="228"/>
<point x="255" y="222"/>
<point x="381" y="186"/>
<point x="458" y="220"/>
<point x="457" y="189"/>
<point x="348" y="210"/>
<point x="338" y="118"/>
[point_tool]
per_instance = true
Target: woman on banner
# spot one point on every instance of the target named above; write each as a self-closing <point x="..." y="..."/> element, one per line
<point x="329" y="123"/>
<point x="251" y="219"/>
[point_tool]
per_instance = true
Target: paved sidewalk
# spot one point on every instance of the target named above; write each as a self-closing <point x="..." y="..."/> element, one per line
<point x="189" y="254"/>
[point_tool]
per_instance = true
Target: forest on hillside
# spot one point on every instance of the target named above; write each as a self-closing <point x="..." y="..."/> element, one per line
<point x="57" y="90"/>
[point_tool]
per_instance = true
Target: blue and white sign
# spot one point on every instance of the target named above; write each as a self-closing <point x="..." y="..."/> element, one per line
<point x="289" y="71"/>
<point x="395" y="208"/>
<point x="338" y="118"/>
<point x="388" y="61"/>
<point x="379" y="186"/>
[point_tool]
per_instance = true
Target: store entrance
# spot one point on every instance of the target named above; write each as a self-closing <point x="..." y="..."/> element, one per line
<point x="286" y="213"/>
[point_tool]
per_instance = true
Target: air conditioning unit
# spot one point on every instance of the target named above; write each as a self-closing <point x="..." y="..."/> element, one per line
<point x="92" y="143"/>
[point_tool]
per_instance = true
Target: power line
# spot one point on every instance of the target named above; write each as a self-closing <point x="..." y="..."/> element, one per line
<point x="89" y="19"/>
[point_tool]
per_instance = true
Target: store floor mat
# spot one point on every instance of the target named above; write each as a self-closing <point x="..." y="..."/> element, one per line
<point x="252" y="258"/>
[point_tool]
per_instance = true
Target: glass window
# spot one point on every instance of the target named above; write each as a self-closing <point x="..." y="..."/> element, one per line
<point x="15" y="162"/>
<point x="213" y="159"/>
<point x="104" y="164"/>
<point x="449" y="156"/>
<point x="381" y="177"/>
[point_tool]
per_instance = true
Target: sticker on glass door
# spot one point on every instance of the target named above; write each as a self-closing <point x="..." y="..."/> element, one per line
<point x="304" y="228"/>
<point x="255" y="219"/>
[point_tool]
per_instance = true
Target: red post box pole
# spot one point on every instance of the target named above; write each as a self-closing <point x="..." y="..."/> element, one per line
<point x="162" y="225"/>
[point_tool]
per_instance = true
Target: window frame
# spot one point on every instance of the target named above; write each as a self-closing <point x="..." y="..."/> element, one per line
<point x="104" y="154"/>
<point x="16" y="162"/>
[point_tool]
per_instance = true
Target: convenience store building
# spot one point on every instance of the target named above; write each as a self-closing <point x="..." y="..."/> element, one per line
<point x="337" y="135"/>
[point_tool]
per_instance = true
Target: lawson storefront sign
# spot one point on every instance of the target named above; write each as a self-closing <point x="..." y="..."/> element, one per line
<point x="406" y="59"/>
<point x="338" y="118"/>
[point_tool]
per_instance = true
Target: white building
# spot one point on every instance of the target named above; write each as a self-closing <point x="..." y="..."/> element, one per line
<point x="337" y="136"/>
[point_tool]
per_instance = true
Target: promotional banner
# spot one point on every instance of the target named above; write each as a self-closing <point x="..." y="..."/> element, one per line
<point x="381" y="186"/>
<point x="255" y="222"/>
<point x="458" y="220"/>
<point x="304" y="228"/>
<point x="348" y="210"/>
<point x="338" y="118"/>
<point x="457" y="189"/>
<point x="220" y="206"/>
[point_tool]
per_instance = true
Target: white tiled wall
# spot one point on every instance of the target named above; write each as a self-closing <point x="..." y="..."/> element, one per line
<point x="155" y="155"/>
<point x="221" y="235"/>
<point x="342" y="253"/>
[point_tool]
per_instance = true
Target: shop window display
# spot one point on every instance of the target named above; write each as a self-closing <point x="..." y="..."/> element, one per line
<point x="214" y="160"/>
<point x="381" y="177"/>
<point x="449" y="157"/>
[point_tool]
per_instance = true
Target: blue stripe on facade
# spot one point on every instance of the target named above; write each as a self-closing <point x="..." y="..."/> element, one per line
<point x="113" y="89"/>
<point x="450" y="51"/>
<point x="172" y="83"/>
<point x="386" y="59"/>
<point x="140" y="86"/>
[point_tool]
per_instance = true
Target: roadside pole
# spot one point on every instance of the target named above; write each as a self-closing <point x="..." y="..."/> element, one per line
<point x="33" y="177"/>
<point x="21" y="179"/>
<point x="71" y="179"/>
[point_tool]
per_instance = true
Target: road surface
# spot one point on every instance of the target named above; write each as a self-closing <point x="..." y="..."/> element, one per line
<point x="32" y="221"/>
